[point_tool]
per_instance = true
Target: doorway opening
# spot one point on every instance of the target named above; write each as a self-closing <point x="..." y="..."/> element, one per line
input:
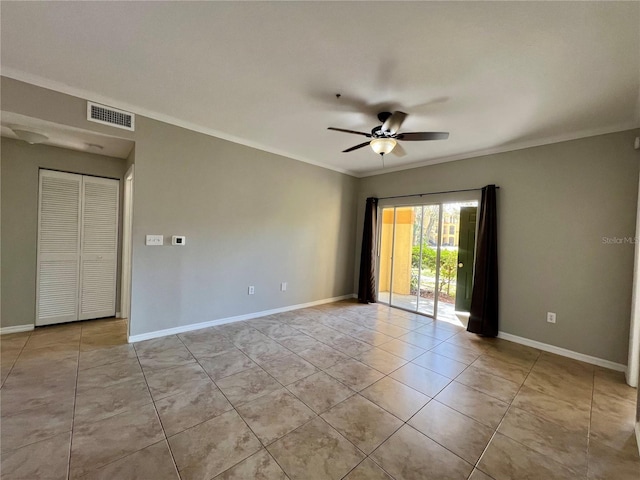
<point x="426" y="258"/>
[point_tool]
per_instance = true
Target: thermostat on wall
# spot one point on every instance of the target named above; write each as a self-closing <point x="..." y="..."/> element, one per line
<point x="178" y="240"/>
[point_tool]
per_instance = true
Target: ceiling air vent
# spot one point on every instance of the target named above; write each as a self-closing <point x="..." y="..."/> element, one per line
<point x="110" y="116"/>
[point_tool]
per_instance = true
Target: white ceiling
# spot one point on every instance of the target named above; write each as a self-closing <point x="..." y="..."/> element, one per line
<point x="498" y="76"/>
<point x="65" y="136"/>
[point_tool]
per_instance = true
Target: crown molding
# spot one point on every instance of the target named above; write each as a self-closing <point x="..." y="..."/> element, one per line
<point x="510" y="147"/>
<point x="88" y="95"/>
<point x="178" y="122"/>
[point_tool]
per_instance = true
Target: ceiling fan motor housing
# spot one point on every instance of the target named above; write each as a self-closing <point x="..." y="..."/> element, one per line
<point x="378" y="132"/>
<point x="383" y="116"/>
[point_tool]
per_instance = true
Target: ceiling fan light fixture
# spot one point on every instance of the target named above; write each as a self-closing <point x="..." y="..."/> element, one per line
<point x="383" y="146"/>
<point x="31" y="138"/>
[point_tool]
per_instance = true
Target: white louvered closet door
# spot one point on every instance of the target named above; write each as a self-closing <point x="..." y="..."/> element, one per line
<point x="77" y="247"/>
<point x="58" y="247"/>
<point x="98" y="248"/>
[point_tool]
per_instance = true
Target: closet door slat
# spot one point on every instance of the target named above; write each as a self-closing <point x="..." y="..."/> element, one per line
<point x="99" y="247"/>
<point x="58" y="246"/>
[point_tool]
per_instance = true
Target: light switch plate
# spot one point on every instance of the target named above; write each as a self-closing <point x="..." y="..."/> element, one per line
<point x="178" y="240"/>
<point x="154" y="240"/>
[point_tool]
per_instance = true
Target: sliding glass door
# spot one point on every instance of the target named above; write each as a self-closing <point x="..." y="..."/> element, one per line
<point x="418" y="257"/>
<point x="426" y="254"/>
<point x="385" y="264"/>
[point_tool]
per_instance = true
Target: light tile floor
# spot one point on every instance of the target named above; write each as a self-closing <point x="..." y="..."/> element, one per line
<point x="336" y="391"/>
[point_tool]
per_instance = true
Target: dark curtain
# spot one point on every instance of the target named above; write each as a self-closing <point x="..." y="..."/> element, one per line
<point x="367" y="285"/>
<point x="484" y="296"/>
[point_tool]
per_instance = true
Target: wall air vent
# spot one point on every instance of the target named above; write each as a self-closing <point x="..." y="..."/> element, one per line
<point x="110" y="116"/>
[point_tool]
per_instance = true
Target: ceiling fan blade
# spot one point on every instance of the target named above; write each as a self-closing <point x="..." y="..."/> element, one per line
<point x="356" y="147"/>
<point x="398" y="151"/>
<point x="368" y="135"/>
<point x="417" y="136"/>
<point x="394" y="122"/>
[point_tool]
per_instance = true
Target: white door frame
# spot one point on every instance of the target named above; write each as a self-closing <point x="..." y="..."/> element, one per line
<point x="633" y="364"/>
<point x="127" y="223"/>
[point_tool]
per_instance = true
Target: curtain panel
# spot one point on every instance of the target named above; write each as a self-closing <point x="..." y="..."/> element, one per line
<point x="367" y="282"/>
<point x="484" y="298"/>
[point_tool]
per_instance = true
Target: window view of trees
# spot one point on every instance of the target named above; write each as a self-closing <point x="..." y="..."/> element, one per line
<point x="418" y="266"/>
<point x="448" y="269"/>
<point x="426" y="270"/>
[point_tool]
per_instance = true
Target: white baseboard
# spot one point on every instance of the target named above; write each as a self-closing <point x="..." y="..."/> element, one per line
<point x="16" y="329"/>
<point x="638" y="435"/>
<point x="601" y="362"/>
<point x="238" y="318"/>
<point x="118" y="315"/>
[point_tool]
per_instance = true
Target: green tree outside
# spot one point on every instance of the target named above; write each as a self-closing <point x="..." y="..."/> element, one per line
<point x="448" y="264"/>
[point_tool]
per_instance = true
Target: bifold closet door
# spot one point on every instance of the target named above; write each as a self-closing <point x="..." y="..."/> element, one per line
<point x="98" y="248"/>
<point x="77" y="247"/>
<point x="58" y="246"/>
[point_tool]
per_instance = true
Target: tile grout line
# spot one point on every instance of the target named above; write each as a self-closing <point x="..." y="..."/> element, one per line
<point x="316" y="415"/>
<point x="355" y="466"/>
<point x="509" y="403"/>
<point x="75" y="398"/>
<point x="533" y="414"/>
<point x="495" y="432"/>
<point x="450" y="340"/>
<point x="382" y="408"/>
<point x="127" y="411"/>
<point x="451" y="380"/>
<point x="368" y="455"/>
<point x="406" y="422"/>
<point x="155" y="408"/>
<point x="19" y="412"/>
<point x="16" y="359"/>
<point x="593" y="388"/>
<point x="233" y="407"/>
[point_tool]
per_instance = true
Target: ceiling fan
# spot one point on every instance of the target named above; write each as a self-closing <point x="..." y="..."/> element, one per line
<point x="384" y="138"/>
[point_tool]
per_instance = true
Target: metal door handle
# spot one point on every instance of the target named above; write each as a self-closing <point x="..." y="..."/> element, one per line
<point x="460" y="265"/>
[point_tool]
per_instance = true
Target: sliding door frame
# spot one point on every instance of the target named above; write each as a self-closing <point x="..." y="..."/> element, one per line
<point x="420" y="269"/>
<point x="419" y="201"/>
<point x="380" y="214"/>
<point x="436" y="290"/>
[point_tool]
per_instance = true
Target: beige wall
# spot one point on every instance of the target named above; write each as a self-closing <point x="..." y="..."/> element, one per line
<point x="250" y="218"/>
<point x="253" y="218"/>
<point x="555" y="205"/>
<point x="19" y="173"/>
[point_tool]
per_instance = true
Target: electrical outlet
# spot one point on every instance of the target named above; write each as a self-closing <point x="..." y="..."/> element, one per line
<point x="252" y="289"/>
<point x="283" y="287"/>
<point x="551" y="317"/>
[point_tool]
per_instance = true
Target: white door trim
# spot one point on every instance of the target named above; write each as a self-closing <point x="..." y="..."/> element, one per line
<point x="633" y="364"/>
<point x="127" y="244"/>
